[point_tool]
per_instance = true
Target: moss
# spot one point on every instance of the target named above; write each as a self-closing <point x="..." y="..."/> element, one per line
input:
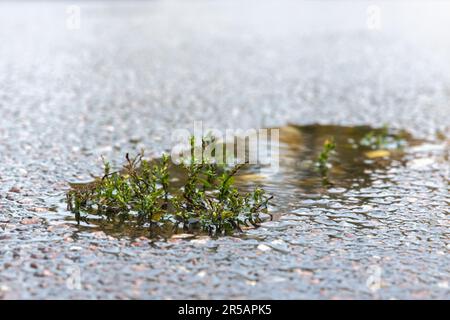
<point x="143" y="192"/>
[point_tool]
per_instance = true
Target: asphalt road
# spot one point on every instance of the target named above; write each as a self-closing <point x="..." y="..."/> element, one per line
<point x="130" y="74"/>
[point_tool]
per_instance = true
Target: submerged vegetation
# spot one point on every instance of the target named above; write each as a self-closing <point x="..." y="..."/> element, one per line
<point x="143" y="192"/>
<point x="381" y="139"/>
<point x="380" y="143"/>
<point x="322" y="161"/>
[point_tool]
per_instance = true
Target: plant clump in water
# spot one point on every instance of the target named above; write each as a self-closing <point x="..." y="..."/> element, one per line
<point x="144" y="193"/>
<point x="322" y="161"/>
<point x="381" y="139"/>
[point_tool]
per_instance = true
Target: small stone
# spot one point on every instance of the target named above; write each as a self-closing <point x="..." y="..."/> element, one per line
<point x="47" y="273"/>
<point x="305" y="273"/>
<point x="25" y="201"/>
<point x="277" y="279"/>
<point x="33" y="220"/>
<point x="99" y="234"/>
<point x="137" y="244"/>
<point x="201" y="274"/>
<point x="39" y="209"/>
<point x="264" y="248"/>
<point x="15" y="189"/>
<point x="183" y="236"/>
<point x="279" y="245"/>
<point x="135" y="139"/>
<point x="200" y="241"/>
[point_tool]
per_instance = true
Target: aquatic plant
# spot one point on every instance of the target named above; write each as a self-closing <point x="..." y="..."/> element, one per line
<point x="381" y="139"/>
<point x="322" y="161"/>
<point x="143" y="192"/>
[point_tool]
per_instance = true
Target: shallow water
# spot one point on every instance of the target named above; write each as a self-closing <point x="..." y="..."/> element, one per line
<point x="352" y="167"/>
<point x="351" y="164"/>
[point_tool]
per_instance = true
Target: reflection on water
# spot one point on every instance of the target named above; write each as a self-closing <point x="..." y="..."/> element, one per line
<point x="297" y="176"/>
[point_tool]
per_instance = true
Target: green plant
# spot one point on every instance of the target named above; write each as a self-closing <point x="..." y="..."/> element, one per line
<point x="322" y="161"/>
<point x="381" y="139"/>
<point x="374" y="139"/>
<point x="142" y="192"/>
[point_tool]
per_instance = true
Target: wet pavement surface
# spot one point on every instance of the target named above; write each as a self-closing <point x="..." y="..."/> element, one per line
<point x="133" y="73"/>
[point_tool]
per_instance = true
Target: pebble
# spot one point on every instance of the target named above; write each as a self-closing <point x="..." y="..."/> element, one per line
<point x="28" y="221"/>
<point x="15" y="190"/>
<point x="263" y="247"/>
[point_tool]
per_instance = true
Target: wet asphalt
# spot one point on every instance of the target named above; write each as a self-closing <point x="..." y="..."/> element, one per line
<point x="132" y="73"/>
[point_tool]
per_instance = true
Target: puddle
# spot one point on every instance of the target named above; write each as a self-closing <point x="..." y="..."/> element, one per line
<point x="352" y="165"/>
<point x="298" y="187"/>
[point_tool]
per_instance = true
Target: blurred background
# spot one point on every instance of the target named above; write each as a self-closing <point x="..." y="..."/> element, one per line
<point x="86" y="77"/>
